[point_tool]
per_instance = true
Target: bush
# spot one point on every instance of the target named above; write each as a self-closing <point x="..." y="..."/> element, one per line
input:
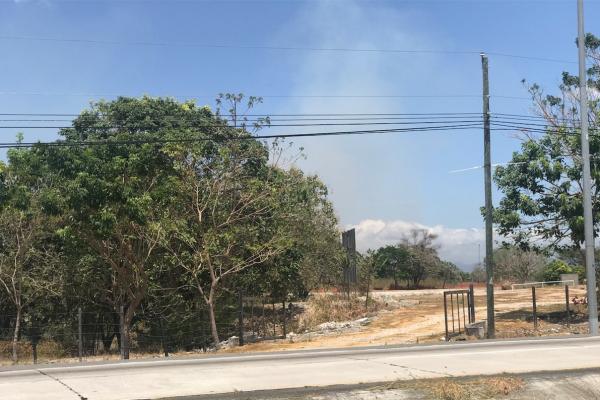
<point x="554" y="269"/>
<point x="322" y="308"/>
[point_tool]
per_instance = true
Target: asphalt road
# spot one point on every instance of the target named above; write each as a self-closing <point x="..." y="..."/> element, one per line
<point x="154" y="379"/>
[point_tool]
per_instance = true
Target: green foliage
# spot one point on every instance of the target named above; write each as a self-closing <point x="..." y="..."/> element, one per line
<point x="542" y="203"/>
<point x="170" y="217"/>
<point x="555" y="268"/>
<point x="413" y="260"/>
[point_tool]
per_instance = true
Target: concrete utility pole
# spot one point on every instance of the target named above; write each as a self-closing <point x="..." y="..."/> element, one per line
<point x="588" y="217"/>
<point x="487" y="171"/>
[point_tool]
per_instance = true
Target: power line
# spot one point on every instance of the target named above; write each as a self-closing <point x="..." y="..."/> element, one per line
<point x="270" y="123"/>
<point x="273" y="115"/>
<point x="250" y="137"/>
<point x="126" y="127"/>
<point x="279" y="48"/>
<point x="277" y="96"/>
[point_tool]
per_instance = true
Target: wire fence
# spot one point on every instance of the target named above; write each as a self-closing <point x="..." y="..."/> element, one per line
<point x="82" y="334"/>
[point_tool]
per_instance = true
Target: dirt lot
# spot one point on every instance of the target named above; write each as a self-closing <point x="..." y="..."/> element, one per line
<point x="419" y="318"/>
<point x="416" y="316"/>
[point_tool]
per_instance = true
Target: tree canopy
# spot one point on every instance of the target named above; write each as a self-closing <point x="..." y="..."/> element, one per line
<point x="542" y="189"/>
<point x="150" y="206"/>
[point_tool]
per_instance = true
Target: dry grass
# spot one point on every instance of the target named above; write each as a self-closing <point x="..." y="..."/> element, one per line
<point x="480" y="388"/>
<point x="46" y="349"/>
<point x="464" y="388"/>
<point x="329" y="307"/>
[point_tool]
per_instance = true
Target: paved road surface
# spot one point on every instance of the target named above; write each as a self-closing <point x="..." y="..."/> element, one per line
<point x="223" y="374"/>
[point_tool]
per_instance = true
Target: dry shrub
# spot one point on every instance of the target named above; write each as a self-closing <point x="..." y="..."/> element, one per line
<point x="502" y="385"/>
<point x="449" y="390"/>
<point x="47" y="350"/>
<point x="480" y="388"/>
<point x="329" y="307"/>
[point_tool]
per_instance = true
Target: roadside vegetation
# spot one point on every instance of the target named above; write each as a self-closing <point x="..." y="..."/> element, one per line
<point x="158" y="213"/>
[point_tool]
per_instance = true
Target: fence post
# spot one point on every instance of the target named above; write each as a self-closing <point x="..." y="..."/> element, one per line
<point x="452" y="310"/>
<point x="471" y="304"/>
<point x="162" y="336"/>
<point x="80" y="335"/>
<point x="122" y="331"/>
<point x="468" y="311"/>
<point x="535" y="323"/>
<point x="274" y="319"/>
<point x="284" y="318"/>
<point x="458" y="312"/>
<point x="446" y="315"/>
<point x="567" y="306"/>
<point x="263" y="323"/>
<point x="241" y="317"/>
<point x="253" y="332"/>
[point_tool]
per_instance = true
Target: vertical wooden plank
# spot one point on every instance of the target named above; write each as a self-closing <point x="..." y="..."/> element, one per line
<point x="446" y="315"/>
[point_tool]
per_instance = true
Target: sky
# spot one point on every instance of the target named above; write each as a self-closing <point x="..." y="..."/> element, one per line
<point x="383" y="185"/>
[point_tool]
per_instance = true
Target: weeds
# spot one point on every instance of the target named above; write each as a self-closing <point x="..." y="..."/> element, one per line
<point x="322" y="308"/>
<point x="464" y="388"/>
<point x="480" y="388"/>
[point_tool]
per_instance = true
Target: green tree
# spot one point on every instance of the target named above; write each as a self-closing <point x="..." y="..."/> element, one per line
<point x="392" y="262"/>
<point x="28" y="259"/>
<point x="423" y="259"/>
<point x="114" y="195"/>
<point x="542" y="186"/>
<point x="555" y="268"/>
<point x="448" y="272"/>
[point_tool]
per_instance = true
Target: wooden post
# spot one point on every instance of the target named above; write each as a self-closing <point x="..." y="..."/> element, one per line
<point x="252" y="318"/>
<point x="567" y="306"/>
<point x="535" y="323"/>
<point x="162" y="336"/>
<point x="263" y="324"/>
<point x="458" y="312"/>
<point x="468" y="310"/>
<point x="274" y="319"/>
<point x="471" y="304"/>
<point x="80" y="335"/>
<point x="122" y="332"/>
<point x="446" y="315"/>
<point x="241" y="317"/>
<point x="367" y="295"/>
<point x="284" y="318"/>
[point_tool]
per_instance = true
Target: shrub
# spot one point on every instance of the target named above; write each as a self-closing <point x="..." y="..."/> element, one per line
<point x="322" y="308"/>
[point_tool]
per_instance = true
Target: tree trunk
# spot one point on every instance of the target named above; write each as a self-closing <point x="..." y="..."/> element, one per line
<point x="15" y="342"/>
<point x="127" y="319"/>
<point x="213" y="322"/>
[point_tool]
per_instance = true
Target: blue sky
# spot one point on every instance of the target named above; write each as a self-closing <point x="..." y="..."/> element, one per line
<point x="382" y="184"/>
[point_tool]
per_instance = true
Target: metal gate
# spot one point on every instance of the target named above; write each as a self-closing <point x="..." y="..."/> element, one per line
<point x="459" y="310"/>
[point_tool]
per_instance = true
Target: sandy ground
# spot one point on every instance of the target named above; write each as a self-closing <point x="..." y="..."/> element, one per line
<point x="419" y="318"/>
<point x="424" y="321"/>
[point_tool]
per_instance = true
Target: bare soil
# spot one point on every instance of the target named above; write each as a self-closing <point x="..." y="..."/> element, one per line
<point x="414" y="316"/>
<point x="422" y="320"/>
